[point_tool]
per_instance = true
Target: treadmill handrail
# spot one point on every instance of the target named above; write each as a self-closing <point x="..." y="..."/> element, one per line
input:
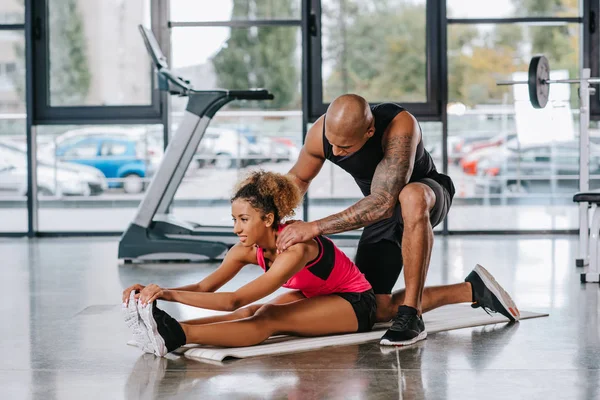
<point x="252" y="94"/>
<point x="182" y="87"/>
<point x="178" y="85"/>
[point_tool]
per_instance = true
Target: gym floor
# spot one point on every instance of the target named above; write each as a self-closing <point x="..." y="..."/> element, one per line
<point x="63" y="336"/>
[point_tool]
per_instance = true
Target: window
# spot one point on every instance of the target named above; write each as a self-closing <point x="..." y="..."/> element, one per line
<point x="238" y="45"/>
<point x="512" y="8"/>
<point x="12" y="12"/>
<point x="96" y="60"/>
<point x="384" y="51"/>
<point x="502" y="184"/>
<point x="210" y="11"/>
<point x="72" y="170"/>
<point x="376" y="51"/>
<point x="93" y="65"/>
<point x="82" y="150"/>
<point x="13" y="180"/>
<point x="10" y="68"/>
<point x="113" y="149"/>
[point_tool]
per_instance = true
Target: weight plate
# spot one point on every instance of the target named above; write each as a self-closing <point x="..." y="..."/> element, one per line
<point x="539" y="89"/>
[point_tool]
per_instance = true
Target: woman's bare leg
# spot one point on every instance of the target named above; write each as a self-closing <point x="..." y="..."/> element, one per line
<point x="246" y="311"/>
<point x="321" y="315"/>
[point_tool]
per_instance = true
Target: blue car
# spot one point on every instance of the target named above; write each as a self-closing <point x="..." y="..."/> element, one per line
<point x="121" y="159"/>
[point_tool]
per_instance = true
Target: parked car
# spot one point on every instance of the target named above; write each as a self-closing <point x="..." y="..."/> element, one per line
<point x="277" y="149"/>
<point x="458" y="146"/>
<point x="123" y="159"/>
<point x="455" y="148"/>
<point x="548" y="168"/>
<point x="147" y="136"/>
<point x="474" y="151"/>
<point x="94" y="178"/>
<point x="469" y="161"/>
<point x="13" y="178"/>
<point x="226" y="148"/>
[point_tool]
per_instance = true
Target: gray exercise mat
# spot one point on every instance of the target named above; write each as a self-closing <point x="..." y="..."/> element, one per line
<point x="442" y="319"/>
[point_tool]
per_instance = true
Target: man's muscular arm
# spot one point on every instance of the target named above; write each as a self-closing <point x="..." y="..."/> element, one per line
<point x="311" y="158"/>
<point x="392" y="174"/>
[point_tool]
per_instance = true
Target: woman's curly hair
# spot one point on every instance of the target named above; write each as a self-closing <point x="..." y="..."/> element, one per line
<point x="269" y="192"/>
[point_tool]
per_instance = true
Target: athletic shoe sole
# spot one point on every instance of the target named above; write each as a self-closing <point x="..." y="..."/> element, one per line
<point x="501" y="294"/>
<point x="160" y="348"/>
<point x="137" y="326"/>
<point x="419" y="337"/>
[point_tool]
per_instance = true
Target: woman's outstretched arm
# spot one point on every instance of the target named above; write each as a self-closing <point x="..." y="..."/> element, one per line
<point x="284" y="267"/>
<point x="235" y="259"/>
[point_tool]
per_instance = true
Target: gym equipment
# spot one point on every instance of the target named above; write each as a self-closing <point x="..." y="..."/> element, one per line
<point x="538" y="81"/>
<point x="591" y="198"/>
<point x="154" y="235"/>
<point x="539" y="88"/>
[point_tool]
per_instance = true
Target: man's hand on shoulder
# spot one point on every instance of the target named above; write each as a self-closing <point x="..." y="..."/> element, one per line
<point x="297" y="232"/>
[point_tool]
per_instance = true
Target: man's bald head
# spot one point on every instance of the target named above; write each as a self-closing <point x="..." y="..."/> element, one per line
<point x="348" y="117"/>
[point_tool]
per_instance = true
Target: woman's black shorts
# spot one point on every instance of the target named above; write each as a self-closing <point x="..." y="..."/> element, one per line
<point x="364" y="306"/>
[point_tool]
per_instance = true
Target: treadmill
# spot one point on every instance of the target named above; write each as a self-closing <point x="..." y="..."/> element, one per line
<point x="154" y="235"/>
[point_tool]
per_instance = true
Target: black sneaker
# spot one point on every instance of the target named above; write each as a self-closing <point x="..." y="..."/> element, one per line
<point x="165" y="332"/>
<point x="407" y="328"/>
<point x="489" y="295"/>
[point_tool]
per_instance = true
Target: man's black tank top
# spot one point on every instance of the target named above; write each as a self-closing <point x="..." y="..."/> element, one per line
<point x="362" y="163"/>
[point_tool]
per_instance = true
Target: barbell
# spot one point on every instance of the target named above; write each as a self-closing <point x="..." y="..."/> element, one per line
<point x="538" y="81"/>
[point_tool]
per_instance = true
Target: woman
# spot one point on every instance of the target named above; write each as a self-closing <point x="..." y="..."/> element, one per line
<point x="330" y="296"/>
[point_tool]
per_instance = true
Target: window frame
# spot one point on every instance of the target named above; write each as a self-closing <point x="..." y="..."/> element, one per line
<point x="46" y="114"/>
<point x="430" y="110"/>
<point x="591" y="49"/>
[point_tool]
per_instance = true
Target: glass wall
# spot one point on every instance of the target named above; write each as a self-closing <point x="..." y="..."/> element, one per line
<point x="92" y="178"/>
<point x="13" y="164"/>
<point x="12" y="12"/>
<point x="96" y="54"/>
<point x="221" y="11"/>
<point x="512" y="8"/>
<point x="514" y="167"/>
<point x="376" y="49"/>
<point x="244" y="135"/>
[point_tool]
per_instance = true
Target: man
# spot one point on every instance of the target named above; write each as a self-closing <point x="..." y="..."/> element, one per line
<point x="405" y="197"/>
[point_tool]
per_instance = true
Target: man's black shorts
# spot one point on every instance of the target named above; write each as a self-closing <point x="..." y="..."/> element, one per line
<point x="379" y="254"/>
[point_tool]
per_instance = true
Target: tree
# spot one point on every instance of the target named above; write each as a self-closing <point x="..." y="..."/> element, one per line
<point x="69" y="70"/>
<point x="70" y="77"/>
<point x="261" y="57"/>
<point x="477" y="59"/>
<point x="558" y="43"/>
<point x="18" y="77"/>
<point x="376" y="49"/>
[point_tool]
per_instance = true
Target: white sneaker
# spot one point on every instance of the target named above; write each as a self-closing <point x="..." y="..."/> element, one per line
<point x="135" y="323"/>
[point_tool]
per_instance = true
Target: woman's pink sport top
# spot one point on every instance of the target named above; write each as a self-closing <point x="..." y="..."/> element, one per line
<point x="330" y="272"/>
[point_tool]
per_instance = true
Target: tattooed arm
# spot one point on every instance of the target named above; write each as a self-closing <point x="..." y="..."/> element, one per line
<point x="392" y="174"/>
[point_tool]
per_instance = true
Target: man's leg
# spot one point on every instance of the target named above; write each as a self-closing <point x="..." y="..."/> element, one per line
<point x="423" y="205"/>
<point x="433" y="297"/>
<point x="381" y="262"/>
<point x="416" y="202"/>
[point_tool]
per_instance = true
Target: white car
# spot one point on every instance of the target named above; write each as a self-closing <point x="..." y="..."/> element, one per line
<point x="226" y="148"/>
<point x="16" y="154"/>
<point x="13" y="180"/>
